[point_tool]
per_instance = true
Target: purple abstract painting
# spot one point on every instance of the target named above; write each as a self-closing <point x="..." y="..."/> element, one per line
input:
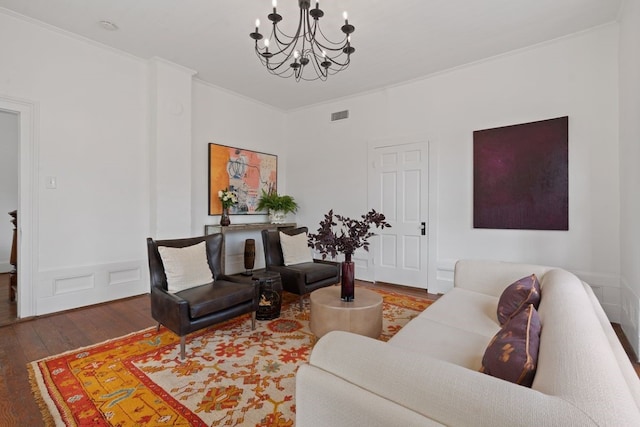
<point x="521" y="176"/>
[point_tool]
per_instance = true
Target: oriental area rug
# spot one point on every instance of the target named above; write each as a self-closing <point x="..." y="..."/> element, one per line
<point x="231" y="375"/>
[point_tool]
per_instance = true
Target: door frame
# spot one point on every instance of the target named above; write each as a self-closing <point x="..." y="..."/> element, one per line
<point x="432" y="195"/>
<point x="27" y="200"/>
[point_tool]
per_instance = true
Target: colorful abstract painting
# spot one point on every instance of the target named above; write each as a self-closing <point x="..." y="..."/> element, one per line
<point x="521" y="176"/>
<point x="244" y="172"/>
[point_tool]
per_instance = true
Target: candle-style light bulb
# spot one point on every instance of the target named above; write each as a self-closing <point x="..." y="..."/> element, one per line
<point x="324" y="54"/>
<point x="296" y="54"/>
<point x="266" y="44"/>
<point x="345" y="16"/>
<point x="274" y="3"/>
<point x="257" y="23"/>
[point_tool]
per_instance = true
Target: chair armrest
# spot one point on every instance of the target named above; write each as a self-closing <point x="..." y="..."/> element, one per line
<point x="169" y="310"/>
<point x="324" y="400"/>
<point x="292" y="280"/>
<point x="235" y="279"/>
<point x="336" y="264"/>
<point x="326" y="261"/>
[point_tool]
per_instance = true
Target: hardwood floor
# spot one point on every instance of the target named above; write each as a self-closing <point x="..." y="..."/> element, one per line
<point x="23" y="342"/>
<point x="26" y="341"/>
<point x="8" y="309"/>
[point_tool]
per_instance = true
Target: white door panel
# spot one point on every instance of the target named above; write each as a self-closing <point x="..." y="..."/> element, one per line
<point x="398" y="180"/>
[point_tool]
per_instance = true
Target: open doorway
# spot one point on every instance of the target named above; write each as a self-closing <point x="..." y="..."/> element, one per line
<point x="26" y="233"/>
<point x="9" y="198"/>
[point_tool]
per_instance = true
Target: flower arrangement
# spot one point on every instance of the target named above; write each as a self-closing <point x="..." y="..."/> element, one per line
<point x="228" y="198"/>
<point x="350" y="235"/>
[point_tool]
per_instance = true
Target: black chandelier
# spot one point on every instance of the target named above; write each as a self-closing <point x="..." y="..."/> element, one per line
<point x="287" y="56"/>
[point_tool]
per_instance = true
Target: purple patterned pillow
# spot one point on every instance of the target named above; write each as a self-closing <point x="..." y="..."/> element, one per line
<point x="517" y="296"/>
<point x="512" y="354"/>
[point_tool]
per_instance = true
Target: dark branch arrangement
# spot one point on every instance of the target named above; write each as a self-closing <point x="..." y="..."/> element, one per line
<point x="350" y="235"/>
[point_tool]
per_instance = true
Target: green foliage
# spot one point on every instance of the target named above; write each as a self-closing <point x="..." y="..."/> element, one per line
<point x="276" y="202"/>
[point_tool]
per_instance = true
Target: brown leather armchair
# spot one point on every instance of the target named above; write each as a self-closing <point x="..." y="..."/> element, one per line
<point x="300" y="279"/>
<point x="196" y="308"/>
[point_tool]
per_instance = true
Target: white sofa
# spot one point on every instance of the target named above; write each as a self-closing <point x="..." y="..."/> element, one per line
<point x="428" y="373"/>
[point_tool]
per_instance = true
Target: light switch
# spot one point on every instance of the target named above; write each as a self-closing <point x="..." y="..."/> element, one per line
<point x="52" y="182"/>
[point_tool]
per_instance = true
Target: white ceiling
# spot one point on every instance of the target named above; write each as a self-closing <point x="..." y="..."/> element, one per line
<point x="395" y="40"/>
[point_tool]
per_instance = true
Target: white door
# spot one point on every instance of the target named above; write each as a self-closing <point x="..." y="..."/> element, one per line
<point x="399" y="188"/>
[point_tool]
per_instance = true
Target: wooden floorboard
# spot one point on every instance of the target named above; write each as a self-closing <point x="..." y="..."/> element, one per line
<point x="26" y="341"/>
<point x="8" y="309"/>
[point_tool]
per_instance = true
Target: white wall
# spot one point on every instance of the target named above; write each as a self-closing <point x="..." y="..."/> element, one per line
<point x="96" y="110"/>
<point x="575" y="76"/>
<point x="170" y="149"/>
<point x="9" y="140"/>
<point x="224" y="118"/>
<point x="629" y="172"/>
<point x="92" y="136"/>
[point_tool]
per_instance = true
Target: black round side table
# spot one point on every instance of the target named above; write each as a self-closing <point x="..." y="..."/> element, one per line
<point x="270" y="295"/>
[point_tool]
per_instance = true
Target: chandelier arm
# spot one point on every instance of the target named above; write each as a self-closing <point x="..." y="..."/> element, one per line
<point x="342" y="42"/>
<point x="308" y="45"/>
<point x="319" y="75"/>
<point x="320" y="70"/>
<point x="292" y="39"/>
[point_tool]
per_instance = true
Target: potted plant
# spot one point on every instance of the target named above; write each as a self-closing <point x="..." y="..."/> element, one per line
<point x="277" y="206"/>
<point x="333" y="238"/>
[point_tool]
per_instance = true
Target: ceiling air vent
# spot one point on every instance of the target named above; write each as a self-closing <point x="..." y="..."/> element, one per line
<point x="340" y="115"/>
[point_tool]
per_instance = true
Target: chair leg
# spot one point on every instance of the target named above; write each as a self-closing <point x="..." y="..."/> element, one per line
<point x="158" y="327"/>
<point x="253" y="320"/>
<point x="183" y="340"/>
<point x="301" y="302"/>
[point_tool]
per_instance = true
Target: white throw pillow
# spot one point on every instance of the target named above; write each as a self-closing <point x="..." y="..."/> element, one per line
<point x="295" y="249"/>
<point x="185" y="267"/>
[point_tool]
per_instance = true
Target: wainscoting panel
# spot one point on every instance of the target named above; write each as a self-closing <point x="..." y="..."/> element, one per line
<point x="75" y="287"/>
<point x="124" y="276"/>
<point x="73" y="284"/>
<point x="630" y="315"/>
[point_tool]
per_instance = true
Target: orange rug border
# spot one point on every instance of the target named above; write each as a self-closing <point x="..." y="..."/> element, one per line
<point x="55" y="415"/>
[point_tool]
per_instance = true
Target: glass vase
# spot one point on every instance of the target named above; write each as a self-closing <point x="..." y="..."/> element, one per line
<point x="224" y="218"/>
<point x="348" y="278"/>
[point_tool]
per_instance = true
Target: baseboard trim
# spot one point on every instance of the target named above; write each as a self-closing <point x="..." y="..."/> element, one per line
<point x="630" y="315"/>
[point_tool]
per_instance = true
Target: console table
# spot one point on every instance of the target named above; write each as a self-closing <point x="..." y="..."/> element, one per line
<point x="215" y="228"/>
<point x="226" y="229"/>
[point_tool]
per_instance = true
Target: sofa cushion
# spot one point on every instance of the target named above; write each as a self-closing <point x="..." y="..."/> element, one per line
<point x="517" y="296"/>
<point x="474" y="312"/>
<point x="295" y="249"/>
<point x="208" y="299"/>
<point x="185" y="267"/>
<point x="512" y="354"/>
<point x="443" y="342"/>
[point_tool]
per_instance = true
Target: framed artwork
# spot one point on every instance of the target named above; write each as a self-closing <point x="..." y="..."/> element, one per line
<point x="521" y="176"/>
<point x="245" y="172"/>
